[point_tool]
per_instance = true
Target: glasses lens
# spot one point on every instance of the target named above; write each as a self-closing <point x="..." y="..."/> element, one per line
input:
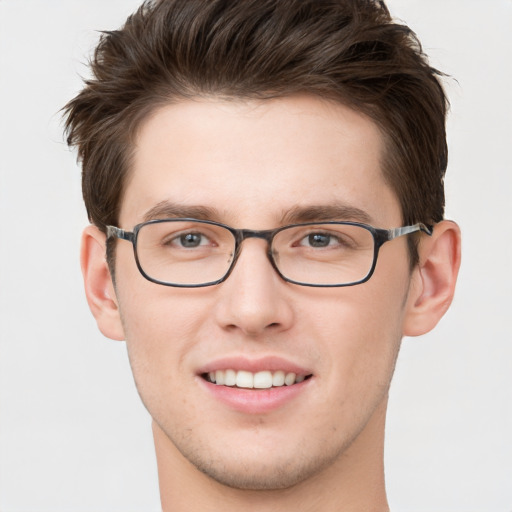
<point x="184" y="252"/>
<point x="324" y="254"/>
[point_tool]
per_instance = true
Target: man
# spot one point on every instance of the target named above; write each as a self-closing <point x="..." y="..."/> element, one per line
<point x="264" y="180"/>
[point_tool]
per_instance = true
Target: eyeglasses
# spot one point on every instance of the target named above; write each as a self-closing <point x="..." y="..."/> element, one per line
<point x="192" y="253"/>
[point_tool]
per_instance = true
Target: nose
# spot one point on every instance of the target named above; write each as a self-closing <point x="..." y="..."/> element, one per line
<point x="254" y="299"/>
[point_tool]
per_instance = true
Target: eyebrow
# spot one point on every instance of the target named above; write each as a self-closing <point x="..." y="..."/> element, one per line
<point x="313" y="213"/>
<point x="168" y="210"/>
<point x="335" y="211"/>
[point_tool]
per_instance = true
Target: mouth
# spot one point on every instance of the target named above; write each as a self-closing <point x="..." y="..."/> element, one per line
<point x="255" y="386"/>
<point x="254" y="380"/>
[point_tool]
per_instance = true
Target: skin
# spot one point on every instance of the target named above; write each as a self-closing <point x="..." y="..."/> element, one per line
<point x="252" y="163"/>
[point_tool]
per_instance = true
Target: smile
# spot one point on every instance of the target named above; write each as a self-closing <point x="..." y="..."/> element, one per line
<point x="249" y="380"/>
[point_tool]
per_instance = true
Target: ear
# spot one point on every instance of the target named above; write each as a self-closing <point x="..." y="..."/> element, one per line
<point x="433" y="280"/>
<point x="99" y="288"/>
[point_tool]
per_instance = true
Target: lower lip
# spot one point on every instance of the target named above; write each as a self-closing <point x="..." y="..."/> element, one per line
<point x="255" y="401"/>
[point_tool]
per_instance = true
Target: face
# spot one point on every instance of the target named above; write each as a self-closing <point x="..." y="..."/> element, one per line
<point x="251" y="165"/>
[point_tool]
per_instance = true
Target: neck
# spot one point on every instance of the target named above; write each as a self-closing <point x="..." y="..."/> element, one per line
<point x="354" y="482"/>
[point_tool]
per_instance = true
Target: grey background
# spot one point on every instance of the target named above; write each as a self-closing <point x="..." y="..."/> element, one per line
<point x="73" y="434"/>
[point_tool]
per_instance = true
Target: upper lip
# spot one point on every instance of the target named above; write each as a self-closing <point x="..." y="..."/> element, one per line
<point x="254" y="365"/>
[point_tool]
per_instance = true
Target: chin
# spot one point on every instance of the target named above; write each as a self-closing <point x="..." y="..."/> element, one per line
<point x="266" y="476"/>
<point x="271" y="466"/>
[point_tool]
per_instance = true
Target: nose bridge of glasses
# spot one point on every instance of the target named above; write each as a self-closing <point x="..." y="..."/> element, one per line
<point x="265" y="234"/>
<point x="243" y="234"/>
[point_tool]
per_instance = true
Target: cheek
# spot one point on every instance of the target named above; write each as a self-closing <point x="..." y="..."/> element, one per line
<point x="361" y="333"/>
<point x="156" y="318"/>
<point x="157" y="345"/>
<point x="161" y="326"/>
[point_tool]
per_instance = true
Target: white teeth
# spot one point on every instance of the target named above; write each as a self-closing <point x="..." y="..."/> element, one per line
<point x="244" y="379"/>
<point x="259" y="380"/>
<point x="230" y="377"/>
<point x="219" y="377"/>
<point x="278" y="378"/>
<point x="289" y="379"/>
<point x="262" y="380"/>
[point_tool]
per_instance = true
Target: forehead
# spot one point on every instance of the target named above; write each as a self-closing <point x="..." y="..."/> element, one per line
<point x="251" y="162"/>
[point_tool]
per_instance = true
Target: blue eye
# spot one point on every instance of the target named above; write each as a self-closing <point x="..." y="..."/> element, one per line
<point x="186" y="240"/>
<point x="319" y="240"/>
<point x="191" y="240"/>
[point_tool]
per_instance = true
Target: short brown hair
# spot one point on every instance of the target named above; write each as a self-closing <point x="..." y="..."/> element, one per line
<point x="350" y="51"/>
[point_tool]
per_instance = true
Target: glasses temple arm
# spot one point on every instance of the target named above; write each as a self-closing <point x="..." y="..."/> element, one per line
<point x="406" y="230"/>
<point x="113" y="231"/>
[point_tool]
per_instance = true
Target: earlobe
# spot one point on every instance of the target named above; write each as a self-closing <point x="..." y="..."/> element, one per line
<point x="99" y="288"/>
<point x="433" y="281"/>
